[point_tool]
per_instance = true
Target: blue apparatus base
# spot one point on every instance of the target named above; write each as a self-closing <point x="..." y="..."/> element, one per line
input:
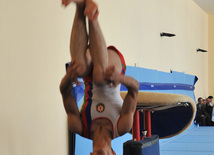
<point x="147" y="146"/>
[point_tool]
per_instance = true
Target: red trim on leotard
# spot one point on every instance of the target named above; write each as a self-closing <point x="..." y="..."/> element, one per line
<point x="121" y="58"/>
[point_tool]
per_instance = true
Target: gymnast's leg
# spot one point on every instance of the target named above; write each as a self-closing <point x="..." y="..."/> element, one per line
<point x="101" y="56"/>
<point x="78" y="67"/>
<point x="97" y="46"/>
<point x="81" y="59"/>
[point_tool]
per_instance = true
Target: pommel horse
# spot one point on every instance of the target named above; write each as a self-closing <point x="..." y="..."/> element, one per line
<point x="164" y="114"/>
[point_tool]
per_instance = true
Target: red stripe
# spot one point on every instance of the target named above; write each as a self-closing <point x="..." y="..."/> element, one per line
<point x="121" y="58"/>
<point x="83" y="112"/>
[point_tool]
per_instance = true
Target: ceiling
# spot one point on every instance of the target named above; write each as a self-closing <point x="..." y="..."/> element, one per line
<point x="206" y="5"/>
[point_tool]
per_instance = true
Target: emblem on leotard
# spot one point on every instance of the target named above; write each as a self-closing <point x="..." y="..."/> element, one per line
<point x="100" y="107"/>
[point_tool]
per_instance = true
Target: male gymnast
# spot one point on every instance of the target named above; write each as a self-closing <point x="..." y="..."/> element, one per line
<point x="103" y="115"/>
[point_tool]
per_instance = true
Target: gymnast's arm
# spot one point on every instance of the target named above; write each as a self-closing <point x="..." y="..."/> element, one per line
<point x="70" y="105"/>
<point x="113" y="78"/>
<point x="129" y="104"/>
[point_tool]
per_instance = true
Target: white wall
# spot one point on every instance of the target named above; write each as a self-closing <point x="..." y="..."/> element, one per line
<point x="211" y="55"/>
<point x="34" y="38"/>
<point x="135" y="30"/>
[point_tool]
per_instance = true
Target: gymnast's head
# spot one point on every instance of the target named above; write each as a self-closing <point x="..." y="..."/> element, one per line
<point x="103" y="152"/>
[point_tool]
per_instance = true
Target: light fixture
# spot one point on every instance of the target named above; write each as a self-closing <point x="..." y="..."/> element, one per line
<point x="200" y="50"/>
<point x="162" y="34"/>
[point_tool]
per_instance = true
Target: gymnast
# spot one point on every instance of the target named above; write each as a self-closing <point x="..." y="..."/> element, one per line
<point x="103" y="116"/>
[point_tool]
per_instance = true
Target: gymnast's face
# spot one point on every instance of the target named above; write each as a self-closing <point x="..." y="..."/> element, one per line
<point x="200" y="100"/>
<point x="103" y="152"/>
<point x="208" y="100"/>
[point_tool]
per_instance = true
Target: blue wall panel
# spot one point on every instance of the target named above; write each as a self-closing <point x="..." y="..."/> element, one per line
<point x="147" y="75"/>
<point x="164" y="77"/>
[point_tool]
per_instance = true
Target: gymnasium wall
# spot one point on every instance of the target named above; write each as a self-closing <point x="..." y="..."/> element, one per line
<point x="34" y="47"/>
<point x="211" y="56"/>
<point x="139" y="34"/>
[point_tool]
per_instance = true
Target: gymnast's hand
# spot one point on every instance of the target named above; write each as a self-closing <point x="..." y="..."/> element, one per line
<point x="74" y="71"/>
<point x="112" y="77"/>
<point x="91" y="10"/>
<point x="67" y="81"/>
<point x="67" y="2"/>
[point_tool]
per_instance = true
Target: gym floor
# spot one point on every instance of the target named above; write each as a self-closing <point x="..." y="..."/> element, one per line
<point x="194" y="141"/>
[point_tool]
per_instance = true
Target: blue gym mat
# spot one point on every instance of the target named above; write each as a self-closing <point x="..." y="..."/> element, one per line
<point x="194" y="141"/>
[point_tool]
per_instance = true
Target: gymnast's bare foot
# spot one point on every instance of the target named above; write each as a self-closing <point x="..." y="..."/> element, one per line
<point x="91" y="10"/>
<point x="67" y="2"/>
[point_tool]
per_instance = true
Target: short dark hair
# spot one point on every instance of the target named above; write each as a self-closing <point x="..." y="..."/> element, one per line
<point x="199" y="98"/>
<point x="210" y="97"/>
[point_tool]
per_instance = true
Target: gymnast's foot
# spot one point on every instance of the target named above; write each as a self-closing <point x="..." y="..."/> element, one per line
<point x="91" y="10"/>
<point x="67" y="2"/>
